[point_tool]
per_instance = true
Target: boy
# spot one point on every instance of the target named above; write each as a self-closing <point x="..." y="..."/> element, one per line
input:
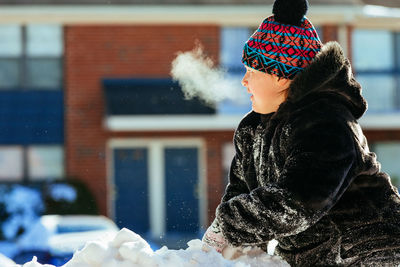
<point x="303" y="173"/>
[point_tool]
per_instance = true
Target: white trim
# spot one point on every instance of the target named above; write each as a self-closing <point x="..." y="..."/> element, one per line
<point x="18" y="164"/>
<point x="343" y="38"/>
<point x="225" y="15"/>
<point x="156" y="189"/>
<point x="203" y="192"/>
<point x="156" y="175"/>
<point x="172" y="122"/>
<point x="110" y="181"/>
<point x="381" y="11"/>
<point x="381" y="121"/>
<point x="219" y="122"/>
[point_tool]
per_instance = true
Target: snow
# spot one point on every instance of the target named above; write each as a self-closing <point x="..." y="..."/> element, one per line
<point x="24" y="206"/>
<point x="8" y="249"/>
<point x="35" y="238"/>
<point x="128" y="249"/>
<point x="4" y="261"/>
<point x="63" y="192"/>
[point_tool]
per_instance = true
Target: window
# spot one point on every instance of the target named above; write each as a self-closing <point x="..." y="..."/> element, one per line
<point x="33" y="163"/>
<point x="232" y="42"/>
<point x="11" y="163"/>
<point x="150" y="97"/>
<point x="320" y="33"/>
<point x="388" y="154"/>
<point x="10" y="52"/>
<point x="376" y="61"/>
<point x="31" y="56"/>
<point x="45" y="162"/>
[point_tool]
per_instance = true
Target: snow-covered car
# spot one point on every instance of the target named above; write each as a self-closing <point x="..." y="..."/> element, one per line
<point x="54" y="238"/>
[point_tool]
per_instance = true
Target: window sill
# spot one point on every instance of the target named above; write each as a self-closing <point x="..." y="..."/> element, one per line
<point x="172" y="122"/>
<point x="383" y="121"/>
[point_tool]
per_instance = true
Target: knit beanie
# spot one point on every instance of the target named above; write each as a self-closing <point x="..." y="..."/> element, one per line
<point x="285" y="43"/>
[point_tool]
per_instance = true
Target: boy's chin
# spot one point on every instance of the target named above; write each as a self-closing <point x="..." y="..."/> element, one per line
<point x="257" y="109"/>
<point x="261" y="111"/>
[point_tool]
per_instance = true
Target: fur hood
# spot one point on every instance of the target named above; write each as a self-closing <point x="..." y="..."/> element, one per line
<point x="329" y="73"/>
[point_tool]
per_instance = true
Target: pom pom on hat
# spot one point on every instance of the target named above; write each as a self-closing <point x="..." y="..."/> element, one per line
<point x="290" y="11"/>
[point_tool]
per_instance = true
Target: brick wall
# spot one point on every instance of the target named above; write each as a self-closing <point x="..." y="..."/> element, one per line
<point x="96" y="52"/>
<point x="382" y="135"/>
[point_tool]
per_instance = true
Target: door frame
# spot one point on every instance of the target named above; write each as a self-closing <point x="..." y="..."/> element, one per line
<point x="156" y="183"/>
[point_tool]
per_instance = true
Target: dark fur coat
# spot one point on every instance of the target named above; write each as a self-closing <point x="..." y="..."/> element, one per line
<point x="304" y="176"/>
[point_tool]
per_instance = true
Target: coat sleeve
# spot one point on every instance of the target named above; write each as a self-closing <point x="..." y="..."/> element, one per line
<point x="318" y="157"/>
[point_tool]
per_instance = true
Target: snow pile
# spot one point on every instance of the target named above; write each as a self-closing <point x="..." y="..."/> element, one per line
<point x="63" y="192"/>
<point x="23" y="206"/>
<point x="4" y="261"/>
<point x="128" y="249"/>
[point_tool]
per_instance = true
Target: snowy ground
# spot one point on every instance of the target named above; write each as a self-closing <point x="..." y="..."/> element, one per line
<point x="128" y="249"/>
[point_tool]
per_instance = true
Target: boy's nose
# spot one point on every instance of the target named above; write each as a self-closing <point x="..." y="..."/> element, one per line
<point x="244" y="81"/>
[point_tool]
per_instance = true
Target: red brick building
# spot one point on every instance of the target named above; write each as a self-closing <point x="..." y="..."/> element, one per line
<point x="125" y="51"/>
<point x="131" y="161"/>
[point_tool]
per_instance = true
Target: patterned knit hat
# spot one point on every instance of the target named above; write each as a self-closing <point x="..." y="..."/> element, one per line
<point x="285" y="43"/>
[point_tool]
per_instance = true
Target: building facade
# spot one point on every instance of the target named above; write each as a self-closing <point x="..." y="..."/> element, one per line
<point x="87" y="93"/>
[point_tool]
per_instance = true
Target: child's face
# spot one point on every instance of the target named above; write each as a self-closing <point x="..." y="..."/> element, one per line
<point x="267" y="91"/>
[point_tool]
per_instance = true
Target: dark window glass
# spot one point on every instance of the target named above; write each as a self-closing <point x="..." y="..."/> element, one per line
<point x="9" y="73"/>
<point x="379" y="90"/>
<point x="43" y="73"/>
<point x="150" y="97"/>
<point x="376" y="63"/>
<point x="373" y="50"/>
<point x="31" y="56"/>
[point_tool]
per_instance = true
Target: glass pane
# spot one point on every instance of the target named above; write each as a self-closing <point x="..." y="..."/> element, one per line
<point x="11" y="163"/>
<point x="373" y="50"/>
<point x="241" y="104"/>
<point x="320" y="33"/>
<point x="9" y="73"/>
<point x="46" y="162"/>
<point x="379" y="91"/>
<point x="44" y="40"/>
<point x="10" y="41"/>
<point x="232" y="42"/>
<point x="44" y="73"/>
<point x="388" y="155"/>
<point x="397" y="36"/>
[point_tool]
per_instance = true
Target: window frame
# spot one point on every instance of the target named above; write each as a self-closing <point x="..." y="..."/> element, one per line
<point x="21" y="166"/>
<point x="23" y="83"/>
<point x="393" y="72"/>
<point x="25" y="165"/>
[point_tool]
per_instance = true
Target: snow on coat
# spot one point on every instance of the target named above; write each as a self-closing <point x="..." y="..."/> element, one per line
<point x="304" y="175"/>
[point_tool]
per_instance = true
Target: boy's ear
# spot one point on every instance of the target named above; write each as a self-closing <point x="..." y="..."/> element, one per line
<point x="282" y="82"/>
